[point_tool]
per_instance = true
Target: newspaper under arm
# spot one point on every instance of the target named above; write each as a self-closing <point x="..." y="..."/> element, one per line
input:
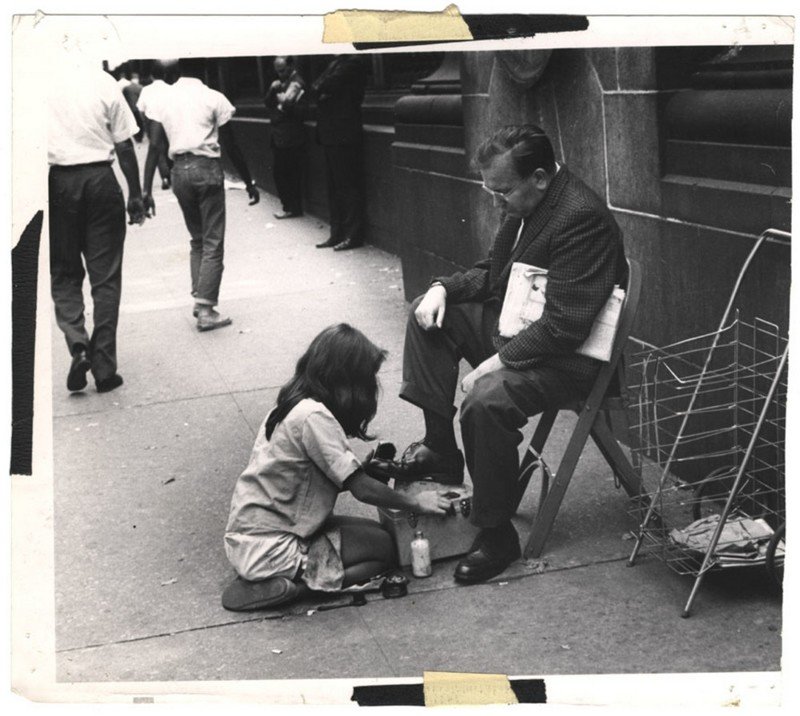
<point x="524" y="303"/>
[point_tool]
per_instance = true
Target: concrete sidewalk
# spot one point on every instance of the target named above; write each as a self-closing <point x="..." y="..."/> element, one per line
<point x="144" y="475"/>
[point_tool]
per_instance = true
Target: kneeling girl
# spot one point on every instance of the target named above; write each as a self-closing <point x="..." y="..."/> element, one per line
<point x="282" y="538"/>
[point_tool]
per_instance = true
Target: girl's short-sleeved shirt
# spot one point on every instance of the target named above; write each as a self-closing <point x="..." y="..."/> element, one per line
<point x="292" y="480"/>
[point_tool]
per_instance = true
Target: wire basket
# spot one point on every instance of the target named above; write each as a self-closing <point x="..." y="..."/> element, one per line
<point x="708" y="429"/>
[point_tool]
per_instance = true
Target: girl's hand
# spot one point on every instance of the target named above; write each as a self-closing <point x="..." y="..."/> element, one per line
<point x="431" y="502"/>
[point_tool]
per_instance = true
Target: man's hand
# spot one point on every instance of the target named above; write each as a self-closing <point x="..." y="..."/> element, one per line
<point x="252" y="192"/>
<point x="136" y="213"/>
<point x="432" y="502"/>
<point x="490" y="365"/>
<point x="430" y="312"/>
<point x="149" y="205"/>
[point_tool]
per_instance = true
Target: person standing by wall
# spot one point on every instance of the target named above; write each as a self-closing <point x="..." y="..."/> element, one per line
<point x="340" y="91"/>
<point x="89" y="121"/>
<point x="288" y="138"/>
<point x="194" y="119"/>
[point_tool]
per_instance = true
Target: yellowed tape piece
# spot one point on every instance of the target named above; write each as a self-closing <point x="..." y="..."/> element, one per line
<point x="445" y="688"/>
<point x="395" y="26"/>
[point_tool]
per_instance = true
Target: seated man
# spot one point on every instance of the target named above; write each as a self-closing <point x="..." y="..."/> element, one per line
<point x="551" y="220"/>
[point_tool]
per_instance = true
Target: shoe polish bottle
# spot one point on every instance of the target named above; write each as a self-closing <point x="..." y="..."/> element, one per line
<point x="420" y="555"/>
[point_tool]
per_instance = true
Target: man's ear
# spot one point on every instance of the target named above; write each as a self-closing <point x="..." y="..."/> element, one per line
<point x="541" y="179"/>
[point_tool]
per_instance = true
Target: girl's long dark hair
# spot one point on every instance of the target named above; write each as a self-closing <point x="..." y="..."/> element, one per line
<point x="339" y="369"/>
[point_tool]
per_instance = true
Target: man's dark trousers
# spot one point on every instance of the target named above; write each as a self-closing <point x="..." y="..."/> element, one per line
<point x="198" y="185"/>
<point x="87" y="219"/>
<point x="496" y="408"/>
<point x="288" y="174"/>
<point x="344" y="179"/>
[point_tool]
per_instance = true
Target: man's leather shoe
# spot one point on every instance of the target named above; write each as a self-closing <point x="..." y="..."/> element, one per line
<point x="419" y="462"/>
<point x="286" y="214"/>
<point x="494" y="550"/>
<point x="210" y="320"/>
<point x="76" y="378"/>
<point x="345" y="245"/>
<point x="108" y="384"/>
<point x="328" y="243"/>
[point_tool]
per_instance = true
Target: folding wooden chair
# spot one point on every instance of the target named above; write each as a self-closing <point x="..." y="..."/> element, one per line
<point x="594" y="415"/>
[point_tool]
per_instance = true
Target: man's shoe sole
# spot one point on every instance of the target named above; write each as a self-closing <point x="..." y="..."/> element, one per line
<point x="385" y="470"/>
<point x="213" y="326"/>
<point x="442" y="478"/>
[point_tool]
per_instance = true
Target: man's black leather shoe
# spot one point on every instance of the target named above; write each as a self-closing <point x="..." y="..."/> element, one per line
<point x="419" y="462"/>
<point x="108" y="384"/>
<point x="76" y="378"/>
<point x="495" y="549"/>
<point x="330" y="242"/>
<point x="346" y="244"/>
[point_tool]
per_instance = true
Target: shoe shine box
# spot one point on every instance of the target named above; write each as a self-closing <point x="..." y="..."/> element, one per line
<point x="450" y="535"/>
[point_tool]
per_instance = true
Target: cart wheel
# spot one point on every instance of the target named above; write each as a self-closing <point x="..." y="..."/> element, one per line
<point x="775" y="564"/>
<point x="710" y="495"/>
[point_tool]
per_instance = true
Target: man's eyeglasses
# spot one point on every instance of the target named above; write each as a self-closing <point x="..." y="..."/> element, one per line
<point x="504" y="195"/>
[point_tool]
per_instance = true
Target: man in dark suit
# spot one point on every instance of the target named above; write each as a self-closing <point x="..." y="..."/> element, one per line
<point x="551" y="220"/>
<point x="339" y="91"/>
<point x="288" y="136"/>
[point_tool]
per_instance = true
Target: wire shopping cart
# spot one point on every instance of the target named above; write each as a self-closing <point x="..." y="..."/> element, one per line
<point x="708" y="422"/>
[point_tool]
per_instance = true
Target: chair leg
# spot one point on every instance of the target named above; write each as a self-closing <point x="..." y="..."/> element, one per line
<point x="534" y="451"/>
<point x="615" y="457"/>
<point x="548" y="510"/>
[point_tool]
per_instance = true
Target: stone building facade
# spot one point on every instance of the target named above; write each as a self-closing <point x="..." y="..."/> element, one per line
<point x="689" y="146"/>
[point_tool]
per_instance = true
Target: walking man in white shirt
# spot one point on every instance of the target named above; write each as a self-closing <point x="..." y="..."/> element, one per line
<point x="88" y="121"/>
<point x="193" y="118"/>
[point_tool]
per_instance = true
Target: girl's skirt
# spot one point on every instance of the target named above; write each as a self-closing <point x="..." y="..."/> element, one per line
<point x="316" y="561"/>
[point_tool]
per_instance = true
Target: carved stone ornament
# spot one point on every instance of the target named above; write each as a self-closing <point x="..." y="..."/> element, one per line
<point x="524" y="67"/>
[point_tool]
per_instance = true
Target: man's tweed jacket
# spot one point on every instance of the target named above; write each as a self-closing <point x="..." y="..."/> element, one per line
<point x="573" y="235"/>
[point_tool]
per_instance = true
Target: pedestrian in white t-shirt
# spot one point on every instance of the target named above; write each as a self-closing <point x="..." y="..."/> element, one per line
<point x="194" y="119"/>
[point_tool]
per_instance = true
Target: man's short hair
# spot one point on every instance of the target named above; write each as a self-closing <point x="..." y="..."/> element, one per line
<point x="193" y="67"/>
<point x="529" y="146"/>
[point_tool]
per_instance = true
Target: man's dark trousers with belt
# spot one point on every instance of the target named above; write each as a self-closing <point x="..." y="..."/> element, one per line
<point x="87" y="219"/>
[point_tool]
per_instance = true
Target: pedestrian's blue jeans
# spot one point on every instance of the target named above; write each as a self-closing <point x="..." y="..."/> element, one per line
<point x="198" y="184"/>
